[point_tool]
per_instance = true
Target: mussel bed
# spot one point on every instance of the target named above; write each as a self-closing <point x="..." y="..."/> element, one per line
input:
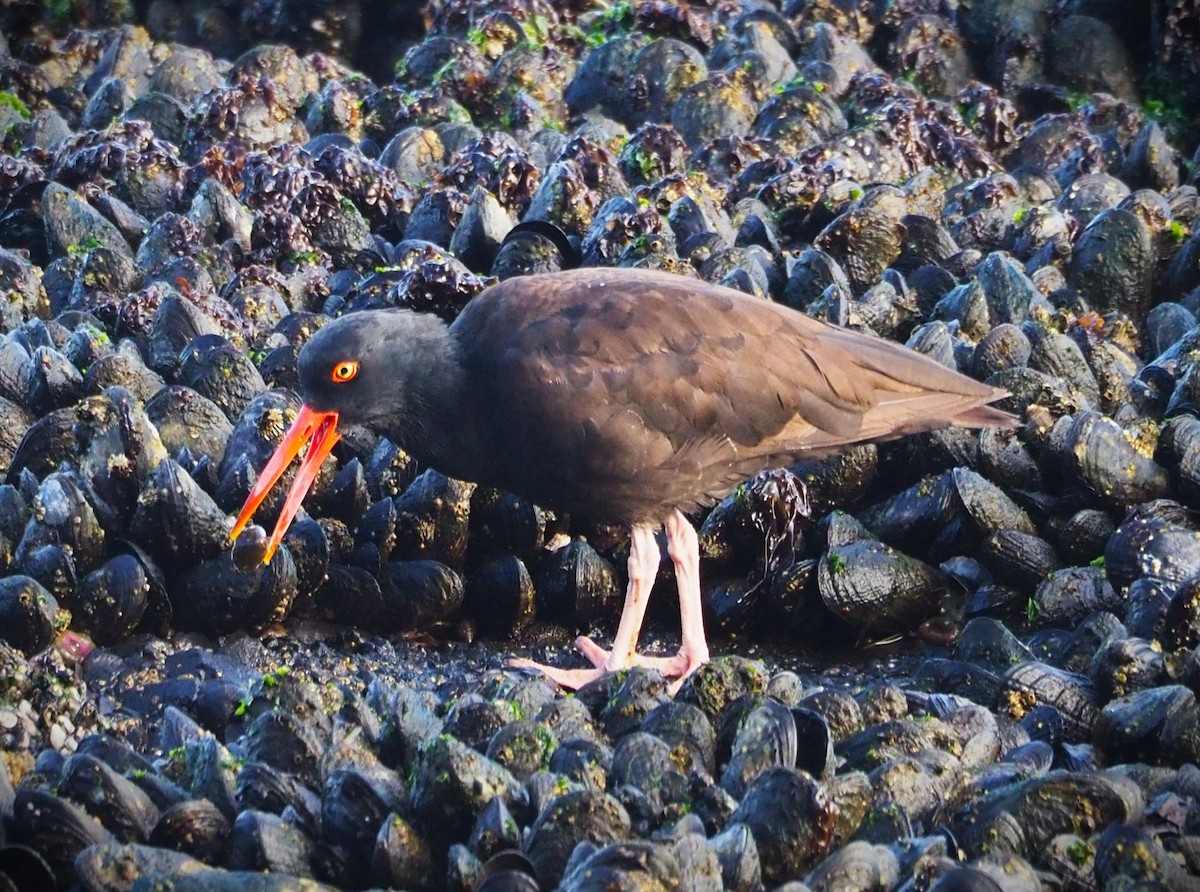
<point x="958" y="661"/>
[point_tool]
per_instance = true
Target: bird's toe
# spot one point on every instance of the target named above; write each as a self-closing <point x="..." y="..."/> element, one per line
<point x="676" y="668"/>
<point x="566" y="678"/>
<point x="671" y="667"/>
<point x="594" y="653"/>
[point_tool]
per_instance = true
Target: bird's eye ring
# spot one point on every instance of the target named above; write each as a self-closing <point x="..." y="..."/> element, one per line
<point x="344" y="371"/>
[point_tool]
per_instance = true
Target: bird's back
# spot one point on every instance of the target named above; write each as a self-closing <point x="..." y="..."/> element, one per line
<point x="624" y="394"/>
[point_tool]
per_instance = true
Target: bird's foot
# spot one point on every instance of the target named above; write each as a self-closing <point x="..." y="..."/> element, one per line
<point x="676" y="668"/>
<point x="565" y="678"/>
<point x="679" y="666"/>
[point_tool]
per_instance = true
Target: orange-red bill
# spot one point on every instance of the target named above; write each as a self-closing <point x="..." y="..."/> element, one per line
<point x="321" y="427"/>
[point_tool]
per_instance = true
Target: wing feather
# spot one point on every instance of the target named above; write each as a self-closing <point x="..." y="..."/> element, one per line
<point x="621" y="385"/>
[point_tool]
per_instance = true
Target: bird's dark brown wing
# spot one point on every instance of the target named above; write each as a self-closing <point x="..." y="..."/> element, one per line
<point x="631" y="392"/>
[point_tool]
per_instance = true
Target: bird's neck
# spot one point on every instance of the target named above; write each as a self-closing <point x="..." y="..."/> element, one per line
<point x="432" y="425"/>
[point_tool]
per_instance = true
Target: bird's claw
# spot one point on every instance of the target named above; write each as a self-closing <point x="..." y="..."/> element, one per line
<point x="676" y="668"/>
<point x="565" y="678"/>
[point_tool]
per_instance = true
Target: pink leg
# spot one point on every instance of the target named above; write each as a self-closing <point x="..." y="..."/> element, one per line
<point x="643" y="568"/>
<point x="684" y="549"/>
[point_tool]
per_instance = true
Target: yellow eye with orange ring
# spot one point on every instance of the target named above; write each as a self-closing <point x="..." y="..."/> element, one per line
<point x="344" y="371"/>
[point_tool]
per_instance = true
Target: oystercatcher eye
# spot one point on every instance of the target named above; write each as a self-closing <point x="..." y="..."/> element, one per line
<point x="344" y="371"/>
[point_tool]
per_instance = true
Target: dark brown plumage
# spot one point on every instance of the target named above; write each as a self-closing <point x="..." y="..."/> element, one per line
<point x="623" y="395"/>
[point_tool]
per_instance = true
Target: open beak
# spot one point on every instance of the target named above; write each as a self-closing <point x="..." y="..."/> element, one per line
<point x="322" y="428"/>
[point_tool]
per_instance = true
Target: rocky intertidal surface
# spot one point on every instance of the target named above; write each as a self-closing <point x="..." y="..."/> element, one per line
<point x="189" y="191"/>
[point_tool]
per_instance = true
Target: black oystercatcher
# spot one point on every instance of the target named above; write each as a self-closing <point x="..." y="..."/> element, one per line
<point x="623" y="395"/>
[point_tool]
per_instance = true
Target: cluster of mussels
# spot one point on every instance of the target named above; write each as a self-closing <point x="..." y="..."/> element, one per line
<point x="982" y="180"/>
